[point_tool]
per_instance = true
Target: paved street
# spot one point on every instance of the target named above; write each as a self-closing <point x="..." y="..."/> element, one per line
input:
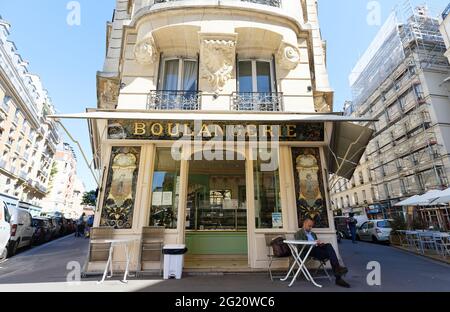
<point x="44" y="268"/>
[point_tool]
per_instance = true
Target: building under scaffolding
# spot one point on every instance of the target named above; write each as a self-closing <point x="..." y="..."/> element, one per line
<point x="400" y="80"/>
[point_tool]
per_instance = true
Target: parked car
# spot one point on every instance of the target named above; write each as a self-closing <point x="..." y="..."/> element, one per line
<point x="361" y="220"/>
<point x="54" y="229"/>
<point x="43" y="231"/>
<point x="70" y="226"/>
<point x="341" y="227"/>
<point x="375" y="231"/>
<point x="21" y="230"/>
<point x="5" y="230"/>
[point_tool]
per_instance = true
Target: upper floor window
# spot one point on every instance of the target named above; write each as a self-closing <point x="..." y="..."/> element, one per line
<point x="255" y="76"/>
<point x="179" y="75"/>
<point x="256" y="87"/>
<point x="178" y="86"/>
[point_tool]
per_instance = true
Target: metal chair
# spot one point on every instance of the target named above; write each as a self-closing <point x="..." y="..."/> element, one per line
<point x="322" y="266"/>
<point x="269" y="239"/>
<point x="442" y="242"/>
<point x="98" y="249"/>
<point x="427" y="241"/>
<point x="151" y="247"/>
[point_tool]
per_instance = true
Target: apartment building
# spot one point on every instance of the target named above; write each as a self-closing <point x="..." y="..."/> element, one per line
<point x="216" y="81"/>
<point x="400" y="80"/>
<point x="28" y="139"/>
<point x="65" y="190"/>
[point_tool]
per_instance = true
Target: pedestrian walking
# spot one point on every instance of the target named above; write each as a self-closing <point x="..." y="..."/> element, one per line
<point x="352" y="222"/>
<point x="81" y="225"/>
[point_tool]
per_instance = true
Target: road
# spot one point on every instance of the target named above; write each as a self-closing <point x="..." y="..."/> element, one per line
<point x="44" y="268"/>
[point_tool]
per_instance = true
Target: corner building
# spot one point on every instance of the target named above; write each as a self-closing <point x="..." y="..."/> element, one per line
<point x="178" y="76"/>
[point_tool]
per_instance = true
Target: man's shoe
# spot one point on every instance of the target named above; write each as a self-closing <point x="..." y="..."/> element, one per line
<point x="340" y="282"/>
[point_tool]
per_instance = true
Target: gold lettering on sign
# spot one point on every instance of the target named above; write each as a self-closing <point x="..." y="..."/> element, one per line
<point x="187" y="130"/>
<point x="154" y="130"/>
<point x="252" y="131"/>
<point x="205" y="132"/>
<point x="139" y="128"/>
<point x="170" y="128"/>
<point x="291" y="131"/>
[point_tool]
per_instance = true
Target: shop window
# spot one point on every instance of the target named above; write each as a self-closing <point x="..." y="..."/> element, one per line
<point x="217" y="195"/>
<point x="120" y="191"/>
<point x="309" y="186"/>
<point x="165" y="190"/>
<point x="267" y="196"/>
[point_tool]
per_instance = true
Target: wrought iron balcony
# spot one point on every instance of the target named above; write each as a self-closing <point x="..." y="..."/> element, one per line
<point x="257" y="101"/>
<point x="274" y="3"/>
<point x="174" y="100"/>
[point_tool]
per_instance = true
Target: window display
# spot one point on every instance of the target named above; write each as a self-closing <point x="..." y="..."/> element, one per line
<point x="267" y="196"/>
<point x="216" y="196"/>
<point x="165" y="190"/>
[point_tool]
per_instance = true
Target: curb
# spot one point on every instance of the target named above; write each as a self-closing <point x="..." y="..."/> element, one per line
<point x="421" y="255"/>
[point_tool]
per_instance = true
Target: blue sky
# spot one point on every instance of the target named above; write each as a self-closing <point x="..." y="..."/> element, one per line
<point x="68" y="57"/>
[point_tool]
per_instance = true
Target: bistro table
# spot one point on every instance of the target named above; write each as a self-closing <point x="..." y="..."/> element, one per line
<point x="109" y="264"/>
<point x="300" y="260"/>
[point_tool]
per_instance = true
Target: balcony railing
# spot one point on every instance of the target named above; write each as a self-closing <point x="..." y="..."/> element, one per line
<point x="257" y="101"/>
<point x="174" y="100"/>
<point x="274" y="3"/>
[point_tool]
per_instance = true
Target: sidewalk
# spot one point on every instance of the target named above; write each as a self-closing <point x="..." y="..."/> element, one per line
<point x="45" y="269"/>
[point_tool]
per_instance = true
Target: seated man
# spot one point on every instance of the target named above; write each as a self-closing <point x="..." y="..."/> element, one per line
<point x="322" y="251"/>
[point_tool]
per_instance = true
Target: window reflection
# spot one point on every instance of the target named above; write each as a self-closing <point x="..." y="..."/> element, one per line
<point x="165" y="190"/>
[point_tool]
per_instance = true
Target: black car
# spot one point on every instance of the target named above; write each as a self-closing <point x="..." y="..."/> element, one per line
<point x="42" y="231"/>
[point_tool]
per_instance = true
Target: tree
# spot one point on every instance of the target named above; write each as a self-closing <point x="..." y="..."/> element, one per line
<point x="90" y="198"/>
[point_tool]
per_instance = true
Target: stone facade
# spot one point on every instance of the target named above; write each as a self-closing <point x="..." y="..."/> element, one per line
<point x="28" y="139"/>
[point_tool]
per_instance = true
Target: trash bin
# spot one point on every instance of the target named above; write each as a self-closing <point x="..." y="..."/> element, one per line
<point x="173" y="261"/>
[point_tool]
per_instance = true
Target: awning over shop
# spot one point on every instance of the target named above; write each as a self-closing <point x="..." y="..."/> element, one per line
<point x="208" y="116"/>
<point x="422" y="200"/>
<point x="348" y="144"/>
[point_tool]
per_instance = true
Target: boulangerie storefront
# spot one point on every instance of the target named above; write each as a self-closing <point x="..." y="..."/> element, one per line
<point x="219" y="182"/>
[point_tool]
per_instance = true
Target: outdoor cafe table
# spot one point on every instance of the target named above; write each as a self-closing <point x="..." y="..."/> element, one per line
<point x="109" y="264"/>
<point x="300" y="259"/>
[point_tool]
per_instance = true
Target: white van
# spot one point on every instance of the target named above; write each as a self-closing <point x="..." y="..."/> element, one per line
<point x="5" y="230"/>
<point x="22" y="230"/>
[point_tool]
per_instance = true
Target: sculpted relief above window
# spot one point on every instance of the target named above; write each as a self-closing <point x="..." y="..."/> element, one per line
<point x="217" y="55"/>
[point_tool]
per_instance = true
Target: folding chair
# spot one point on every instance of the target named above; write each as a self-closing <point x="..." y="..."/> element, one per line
<point x="151" y="247"/>
<point x="322" y="266"/>
<point x="442" y="244"/>
<point x="269" y="239"/>
<point x="98" y="249"/>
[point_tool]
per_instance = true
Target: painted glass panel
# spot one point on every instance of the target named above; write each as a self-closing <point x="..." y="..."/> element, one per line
<point x="309" y="186"/>
<point x="120" y="192"/>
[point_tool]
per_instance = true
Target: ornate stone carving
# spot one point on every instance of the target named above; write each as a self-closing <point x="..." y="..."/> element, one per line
<point x="108" y="92"/>
<point x="145" y="51"/>
<point x="288" y="56"/>
<point x="218" y="58"/>
<point x="321" y="104"/>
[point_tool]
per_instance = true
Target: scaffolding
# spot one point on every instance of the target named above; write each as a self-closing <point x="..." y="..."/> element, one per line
<point x="386" y="84"/>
